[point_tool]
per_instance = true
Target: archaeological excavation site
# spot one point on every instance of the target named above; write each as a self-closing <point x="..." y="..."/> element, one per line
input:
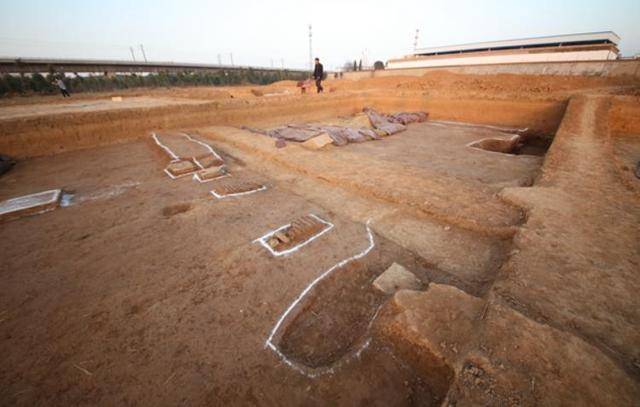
<point x="447" y="238"/>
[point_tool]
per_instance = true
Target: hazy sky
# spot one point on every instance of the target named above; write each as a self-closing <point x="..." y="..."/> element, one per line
<point x="259" y="32"/>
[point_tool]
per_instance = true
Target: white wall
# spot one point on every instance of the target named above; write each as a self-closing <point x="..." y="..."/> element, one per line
<point x="593" y="55"/>
<point x="610" y="68"/>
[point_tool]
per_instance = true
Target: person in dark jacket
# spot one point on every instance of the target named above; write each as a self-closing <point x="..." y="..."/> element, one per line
<point x="318" y="72"/>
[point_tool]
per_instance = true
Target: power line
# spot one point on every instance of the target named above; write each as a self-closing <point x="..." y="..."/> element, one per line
<point x="34" y="41"/>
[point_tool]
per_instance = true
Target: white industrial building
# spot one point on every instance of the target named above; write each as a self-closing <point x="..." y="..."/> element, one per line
<point x="596" y="46"/>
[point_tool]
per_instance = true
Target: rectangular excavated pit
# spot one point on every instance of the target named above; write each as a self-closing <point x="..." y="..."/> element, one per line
<point x="293" y="236"/>
<point x="229" y="187"/>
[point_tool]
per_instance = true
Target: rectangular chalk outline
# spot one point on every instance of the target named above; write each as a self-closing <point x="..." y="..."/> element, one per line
<point x="55" y="196"/>
<point x="214" y="193"/>
<point x="263" y="240"/>
<point x="175" y="158"/>
<point x="202" y="181"/>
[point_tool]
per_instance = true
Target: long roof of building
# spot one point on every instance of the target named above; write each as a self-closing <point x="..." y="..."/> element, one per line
<point x="582" y="38"/>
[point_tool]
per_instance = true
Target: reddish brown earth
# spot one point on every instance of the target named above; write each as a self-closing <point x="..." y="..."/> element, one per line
<point x="147" y="290"/>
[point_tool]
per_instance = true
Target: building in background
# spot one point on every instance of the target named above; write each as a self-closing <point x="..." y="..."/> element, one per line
<point x="597" y="46"/>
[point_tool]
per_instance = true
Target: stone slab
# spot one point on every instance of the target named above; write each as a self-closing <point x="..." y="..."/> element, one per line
<point x="29" y="204"/>
<point x="397" y="278"/>
<point x="318" y="142"/>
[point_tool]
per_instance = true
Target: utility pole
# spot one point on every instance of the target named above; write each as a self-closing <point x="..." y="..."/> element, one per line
<point x="310" y="50"/>
<point x="143" y="54"/>
<point x="271" y="62"/>
<point x="219" y="59"/>
<point x="231" y="57"/>
<point x="415" y="40"/>
<point x="133" y="56"/>
<point x="282" y="62"/>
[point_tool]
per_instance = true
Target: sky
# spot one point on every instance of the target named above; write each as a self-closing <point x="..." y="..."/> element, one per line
<point x="276" y="32"/>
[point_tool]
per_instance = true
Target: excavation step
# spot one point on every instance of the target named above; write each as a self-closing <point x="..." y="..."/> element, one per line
<point x="430" y="329"/>
<point x="211" y="173"/>
<point x="209" y="160"/>
<point x="179" y="168"/>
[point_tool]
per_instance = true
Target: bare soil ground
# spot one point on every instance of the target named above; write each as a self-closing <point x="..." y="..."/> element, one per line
<point x="147" y="290"/>
<point x="21" y="111"/>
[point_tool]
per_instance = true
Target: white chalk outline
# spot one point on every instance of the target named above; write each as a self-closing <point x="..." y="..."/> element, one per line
<point x="109" y="192"/>
<point x="314" y="372"/>
<point x="464" y="124"/>
<point x="178" y="176"/>
<point x="262" y="188"/>
<point x="175" y="158"/>
<point x="207" y="146"/>
<point x="263" y="240"/>
<point x="165" y="148"/>
<point x="196" y="177"/>
<point x="56" y="194"/>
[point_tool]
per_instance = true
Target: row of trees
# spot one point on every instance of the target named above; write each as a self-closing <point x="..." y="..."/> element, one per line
<point x="357" y="66"/>
<point x="352" y="67"/>
<point x="43" y="84"/>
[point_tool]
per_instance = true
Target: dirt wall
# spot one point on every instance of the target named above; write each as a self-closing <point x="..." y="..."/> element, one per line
<point x="540" y="116"/>
<point x="623" y="116"/>
<point x="53" y="134"/>
<point x="44" y="135"/>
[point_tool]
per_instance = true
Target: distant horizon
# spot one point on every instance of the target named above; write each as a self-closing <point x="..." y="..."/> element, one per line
<point x="275" y="34"/>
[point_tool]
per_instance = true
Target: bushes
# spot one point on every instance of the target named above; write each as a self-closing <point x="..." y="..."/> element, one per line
<point x="13" y="84"/>
<point x="39" y="84"/>
<point x="36" y="83"/>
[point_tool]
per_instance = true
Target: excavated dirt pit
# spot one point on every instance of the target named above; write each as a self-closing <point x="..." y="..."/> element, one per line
<point x="234" y="187"/>
<point x="147" y="291"/>
<point x="336" y="319"/>
<point x="331" y="331"/>
<point x="515" y="144"/>
<point x="210" y="281"/>
<point x="291" y="237"/>
<point x="441" y="149"/>
<point x="534" y="145"/>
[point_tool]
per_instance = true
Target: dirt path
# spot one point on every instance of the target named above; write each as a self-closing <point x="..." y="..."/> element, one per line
<point x="586" y="220"/>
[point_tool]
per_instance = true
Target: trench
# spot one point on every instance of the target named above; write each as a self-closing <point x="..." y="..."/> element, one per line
<point x="46" y="135"/>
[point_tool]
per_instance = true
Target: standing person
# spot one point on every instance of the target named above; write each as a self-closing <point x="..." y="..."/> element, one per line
<point x="63" y="88"/>
<point x="318" y="72"/>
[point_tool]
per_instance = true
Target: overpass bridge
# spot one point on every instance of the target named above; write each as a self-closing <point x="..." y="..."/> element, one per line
<point x="33" y="65"/>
